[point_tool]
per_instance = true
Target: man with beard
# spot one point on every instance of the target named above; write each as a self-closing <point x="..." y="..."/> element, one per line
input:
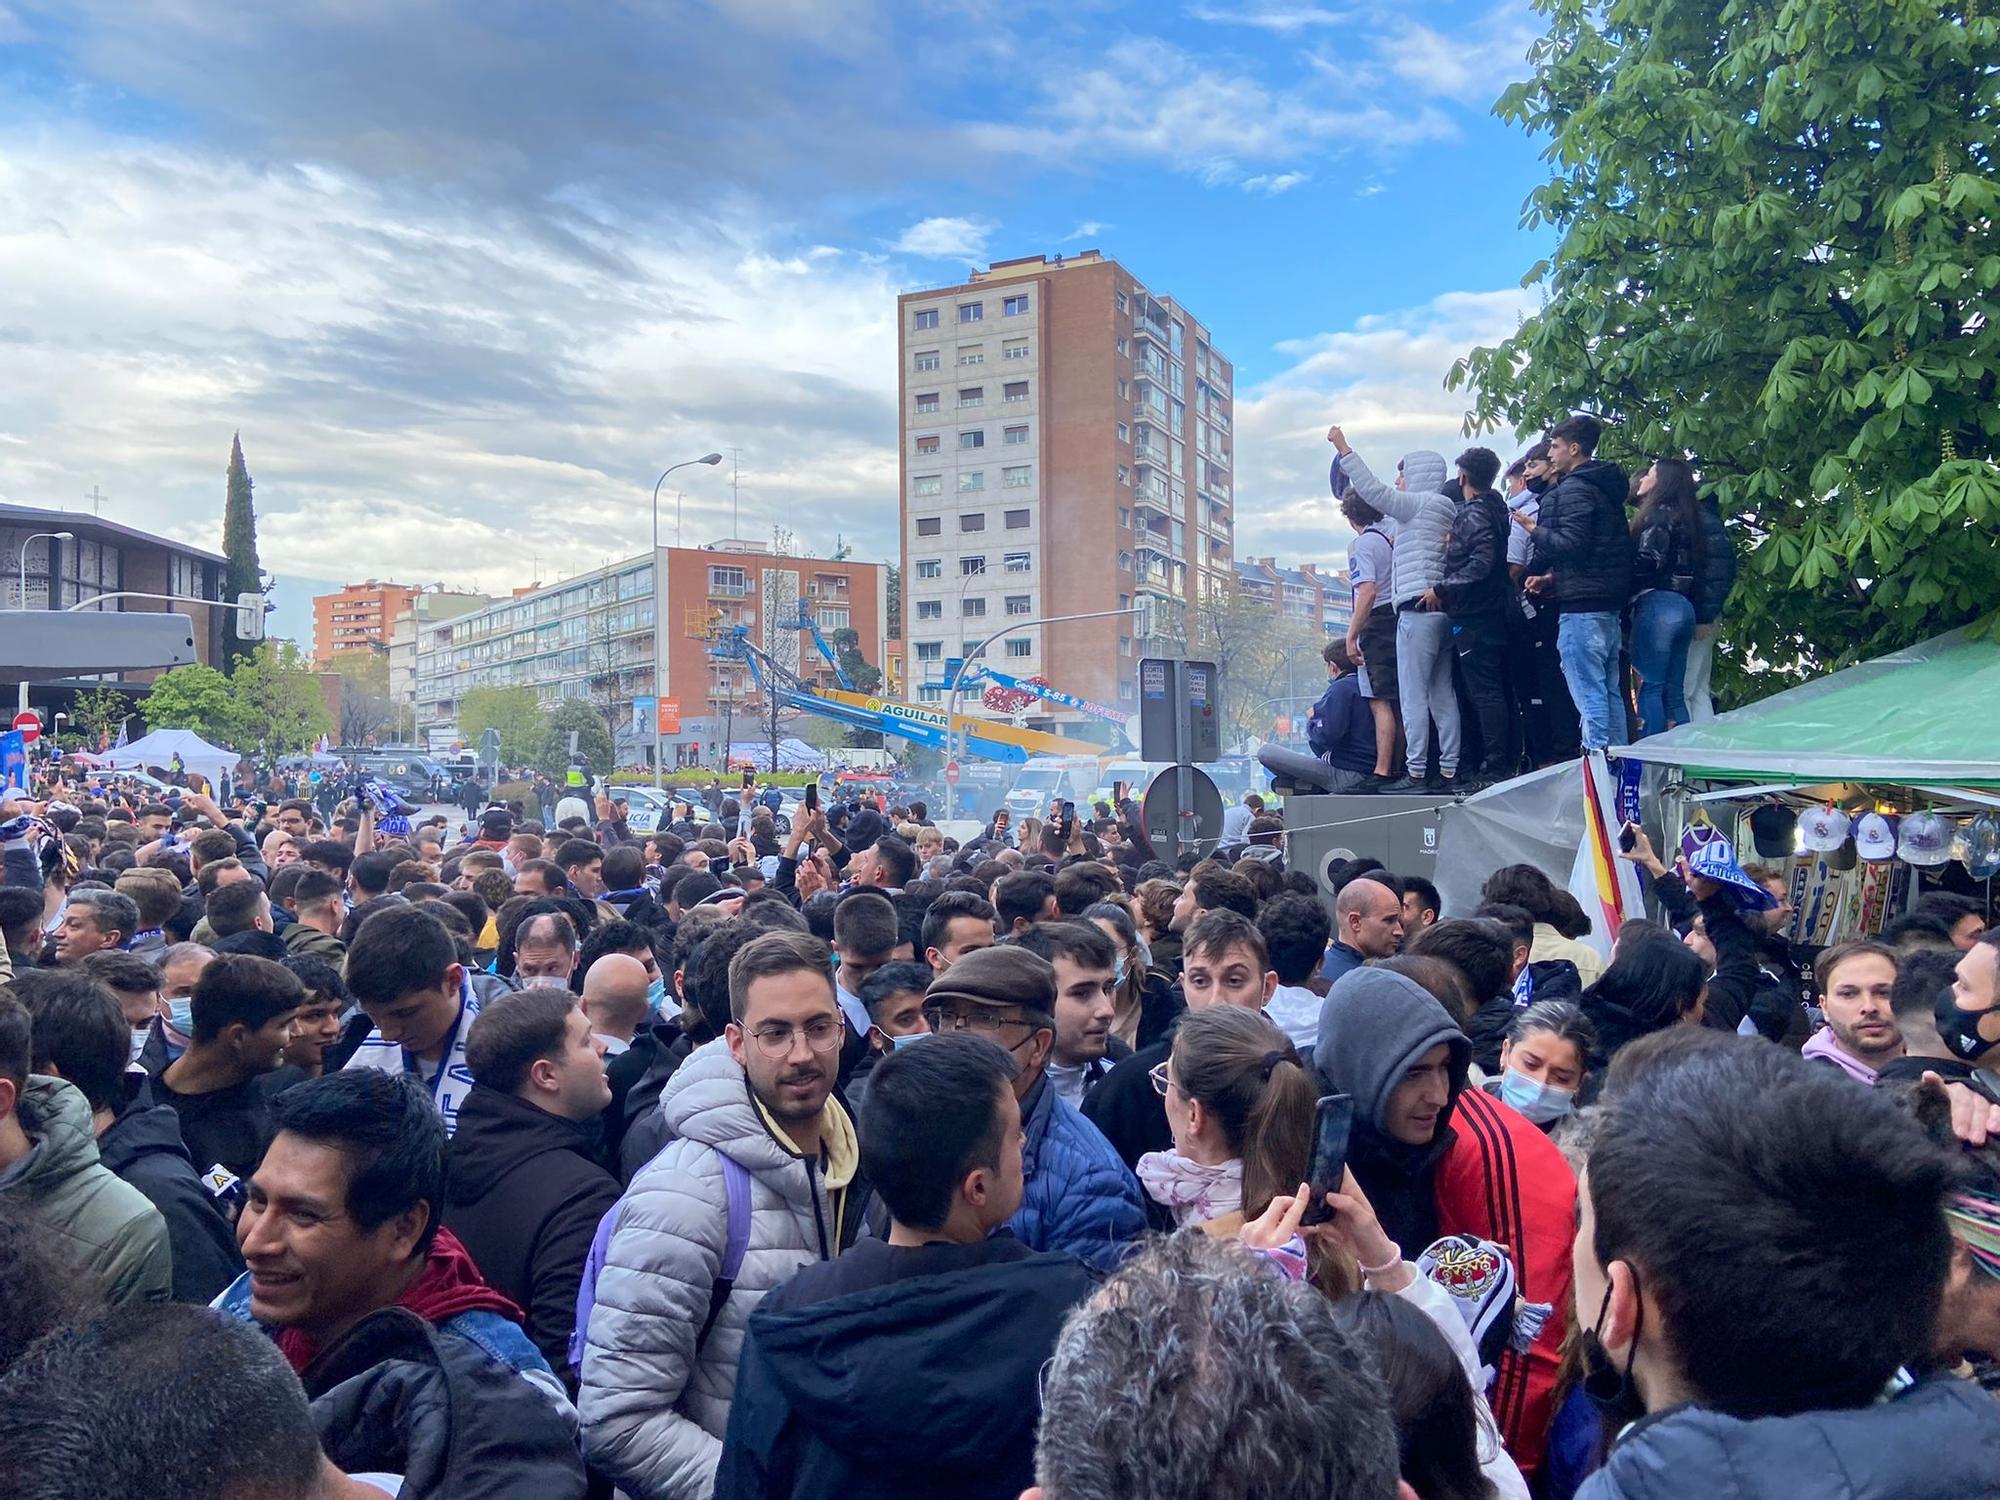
<point x="1856" y="982"/>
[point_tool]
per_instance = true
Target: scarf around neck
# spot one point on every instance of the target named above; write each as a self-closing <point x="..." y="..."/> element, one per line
<point x="1193" y="1191"/>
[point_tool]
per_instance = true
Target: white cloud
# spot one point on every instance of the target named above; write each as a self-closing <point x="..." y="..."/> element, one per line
<point x="946" y="238"/>
<point x="1151" y="100"/>
<point x="1089" y="229"/>
<point x="1270" y="15"/>
<point x="1383" y="381"/>
<point x="441" y="390"/>
<point x="1474" y="63"/>
<point x="1270" y="185"/>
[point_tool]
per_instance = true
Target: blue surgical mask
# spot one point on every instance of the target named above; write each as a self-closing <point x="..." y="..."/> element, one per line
<point x="900" y="1042"/>
<point x="1118" y="974"/>
<point x="656" y="996"/>
<point x="1540" y="1102"/>
<point x="180" y="1014"/>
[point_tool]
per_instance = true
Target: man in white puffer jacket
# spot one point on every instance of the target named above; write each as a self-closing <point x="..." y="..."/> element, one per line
<point x="1424" y="652"/>
<point x="655" y="1394"/>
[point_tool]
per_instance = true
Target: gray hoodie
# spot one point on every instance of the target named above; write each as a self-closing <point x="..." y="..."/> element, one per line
<point x="1373" y="1026"/>
<point x="1423" y="508"/>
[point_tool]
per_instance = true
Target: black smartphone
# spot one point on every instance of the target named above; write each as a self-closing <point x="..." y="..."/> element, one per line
<point x="1117" y="794"/>
<point x="1626" y="837"/>
<point x="749" y="780"/>
<point x="1333" y="1123"/>
<point x="812" y="796"/>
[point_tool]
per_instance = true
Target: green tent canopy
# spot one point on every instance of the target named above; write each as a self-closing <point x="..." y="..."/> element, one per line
<point x="1923" y="715"/>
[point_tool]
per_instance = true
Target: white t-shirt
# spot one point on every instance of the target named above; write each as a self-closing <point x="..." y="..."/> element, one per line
<point x="1369" y="559"/>
<point x="1294" y="1010"/>
<point x="1519" y="543"/>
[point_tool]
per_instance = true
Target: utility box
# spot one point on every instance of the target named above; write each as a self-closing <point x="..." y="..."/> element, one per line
<point x="1180" y="711"/>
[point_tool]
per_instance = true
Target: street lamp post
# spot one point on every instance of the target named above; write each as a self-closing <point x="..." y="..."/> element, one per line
<point x="659" y="618"/>
<point x="951" y="700"/>
<point x="33" y="537"/>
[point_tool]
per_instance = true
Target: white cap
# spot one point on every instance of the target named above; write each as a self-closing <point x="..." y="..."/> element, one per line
<point x="1874" y="836"/>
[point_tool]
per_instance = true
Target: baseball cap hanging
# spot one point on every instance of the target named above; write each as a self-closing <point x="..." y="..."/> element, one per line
<point x="1774" y="831"/>
<point x="1925" y="839"/>
<point x="1822" y="830"/>
<point x="1982" y="839"/>
<point x="1874" y="836"/>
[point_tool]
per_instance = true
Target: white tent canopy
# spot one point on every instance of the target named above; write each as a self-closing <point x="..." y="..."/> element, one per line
<point x="161" y="746"/>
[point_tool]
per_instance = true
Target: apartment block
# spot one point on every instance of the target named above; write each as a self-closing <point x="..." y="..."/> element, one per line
<point x="592" y="637"/>
<point x="1065" y="449"/>
<point x="357" y="618"/>
<point x="1306" y="596"/>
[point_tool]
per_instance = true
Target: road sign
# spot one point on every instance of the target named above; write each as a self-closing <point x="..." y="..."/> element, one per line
<point x="1178" y="822"/>
<point x="670" y="716"/>
<point x="951" y="773"/>
<point x="1178" y="703"/>
<point x="29" y="724"/>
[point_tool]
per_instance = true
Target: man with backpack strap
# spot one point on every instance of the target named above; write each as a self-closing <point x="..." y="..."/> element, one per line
<point x="757" y="1179"/>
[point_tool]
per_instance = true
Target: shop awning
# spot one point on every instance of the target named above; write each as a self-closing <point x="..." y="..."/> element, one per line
<point x="1923" y="715"/>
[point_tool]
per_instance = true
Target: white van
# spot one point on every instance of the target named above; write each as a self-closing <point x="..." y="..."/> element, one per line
<point x="1048" y="779"/>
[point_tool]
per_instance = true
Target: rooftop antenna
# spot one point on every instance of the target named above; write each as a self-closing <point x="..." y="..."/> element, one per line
<point x="96" y="499"/>
<point x="735" y="508"/>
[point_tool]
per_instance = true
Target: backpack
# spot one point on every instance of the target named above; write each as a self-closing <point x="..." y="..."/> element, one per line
<point x="736" y="1189"/>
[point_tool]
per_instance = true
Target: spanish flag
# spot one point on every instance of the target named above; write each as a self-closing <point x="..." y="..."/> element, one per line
<point x="1606" y="886"/>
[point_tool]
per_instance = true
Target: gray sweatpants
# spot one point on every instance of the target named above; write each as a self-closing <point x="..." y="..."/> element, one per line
<point x="1423" y="668"/>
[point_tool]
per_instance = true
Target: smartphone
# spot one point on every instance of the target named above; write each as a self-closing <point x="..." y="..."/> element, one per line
<point x="812" y="796"/>
<point x="1333" y="1123"/>
<point x="1118" y="794"/>
<point x="1626" y="837"/>
<point x="749" y="780"/>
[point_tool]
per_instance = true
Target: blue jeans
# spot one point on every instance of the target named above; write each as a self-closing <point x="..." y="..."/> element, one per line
<point x="1588" y="648"/>
<point x="1662" y="631"/>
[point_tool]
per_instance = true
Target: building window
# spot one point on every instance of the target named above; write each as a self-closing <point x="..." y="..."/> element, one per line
<point x="973" y="439"/>
<point x="1016" y="390"/>
<point x="1015" y="349"/>
<point x="928" y="360"/>
<point x="930" y="525"/>
<point x="1017" y="562"/>
<point x="930" y="609"/>
<point x="1124" y="344"/>
<point x="1020" y="645"/>
<point x="1017" y="604"/>
<point x="1123" y="304"/>
<point x="971" y="312"/>
<point x="928" y="443"/>
<point x="930" y="567"/>
<point x="1124" y="474"/>
<point x="972" y="354"/>
<point x="927" y="484"/>
<point x="1015" y="307"/>
<point x="1017" y="520"/>
<point x="1124" y="433"/>
<point x="972" y="395"/>
<point x="730" y="583"/>
<point x="927" y="317"/>
<point x="930" y="650"/>
<point x="975" y="521"/>
<point x="1017" y="477"/>
<point x="1124" y="515"/>
<point x="969" y="567"/>
<point x="1124" y="392"/>
<point x="971" y="481"/>
<point x="972" y="609"/>
<point x="1124" y="645"/>
<point x="927" y="402"/>
<point x="1124" y="562"/>
<point x="1017" y="436"/>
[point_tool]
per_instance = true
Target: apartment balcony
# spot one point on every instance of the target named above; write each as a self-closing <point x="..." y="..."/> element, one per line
<point x="1148" y="453"/>
<point x="729" y="591"/>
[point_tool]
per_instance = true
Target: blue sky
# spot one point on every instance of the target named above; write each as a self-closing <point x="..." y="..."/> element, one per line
<point x="465" y="275"/>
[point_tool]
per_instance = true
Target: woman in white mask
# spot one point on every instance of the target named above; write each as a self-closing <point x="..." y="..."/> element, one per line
<point x="1543" y="1061"/>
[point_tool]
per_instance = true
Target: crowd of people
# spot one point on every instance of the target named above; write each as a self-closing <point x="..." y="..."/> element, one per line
<point x="1494" y="634"/>
<point x="342" y="1157"/>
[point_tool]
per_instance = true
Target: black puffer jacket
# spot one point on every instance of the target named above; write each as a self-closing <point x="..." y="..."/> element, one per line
<point x="1664" y="555"/>
<point x="1580" y="536"/>
<point x="1475" y="582"/>
<point x="391" y="1396"/>
<point x="143" y="1146"/>
<point x="1718" y="565"/>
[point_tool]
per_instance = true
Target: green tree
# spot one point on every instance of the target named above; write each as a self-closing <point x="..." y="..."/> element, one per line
<point x="892" y="583"/>
<point x="515" y="711"/>
<point x="1778" y="258"/>
<point x="846" y="643"/>
<point x="279" y="707"/>
<point x="241" y="573"/>
<point x="98" y="713"/>
<point x="821" y="732"/>
<point x="192" y="697"/>
<point x="593" y="740"/>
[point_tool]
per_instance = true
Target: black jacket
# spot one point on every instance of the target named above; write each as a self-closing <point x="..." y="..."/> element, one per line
<point x="643" y="1132"/>
<point x="1125" y="1106"/>
<point x="1746" y="981"/>
<point x="229" y="1127"/>
<point x="525" y="1195"/>
<point x="394" y="1396"/>
<point x="1580" y="536"/>
<point x="896" y="1372"/>
<point x="1474" y="583"/>
<point x="1718" y="565"/>
<point x="1664" y="555"/>
<point x="143" y="1146"/>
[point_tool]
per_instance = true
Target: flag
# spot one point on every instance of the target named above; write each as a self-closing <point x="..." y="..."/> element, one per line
<point x="322" y="747"/>
<point x="1606" y="886"/>
<point x="123" y="739"/>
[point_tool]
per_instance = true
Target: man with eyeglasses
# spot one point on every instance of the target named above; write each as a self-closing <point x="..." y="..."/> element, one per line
<point x="755" y="1139"/>
<point x="1077" y="1196"/>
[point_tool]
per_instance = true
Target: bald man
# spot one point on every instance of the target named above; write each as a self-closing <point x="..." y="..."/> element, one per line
<point x="1367" y="923"/>
<point x="614" y="998"/>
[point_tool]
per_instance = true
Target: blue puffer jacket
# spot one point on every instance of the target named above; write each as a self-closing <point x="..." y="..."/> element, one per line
<point x="1076" y="1196"/>
<point x="1938" y="1440"/>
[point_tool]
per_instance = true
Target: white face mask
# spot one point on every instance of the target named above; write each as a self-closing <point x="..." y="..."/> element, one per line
<point x="1539" y="1102"/>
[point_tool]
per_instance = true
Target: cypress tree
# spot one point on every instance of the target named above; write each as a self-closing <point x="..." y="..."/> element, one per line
<point x="241" y="573"/>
